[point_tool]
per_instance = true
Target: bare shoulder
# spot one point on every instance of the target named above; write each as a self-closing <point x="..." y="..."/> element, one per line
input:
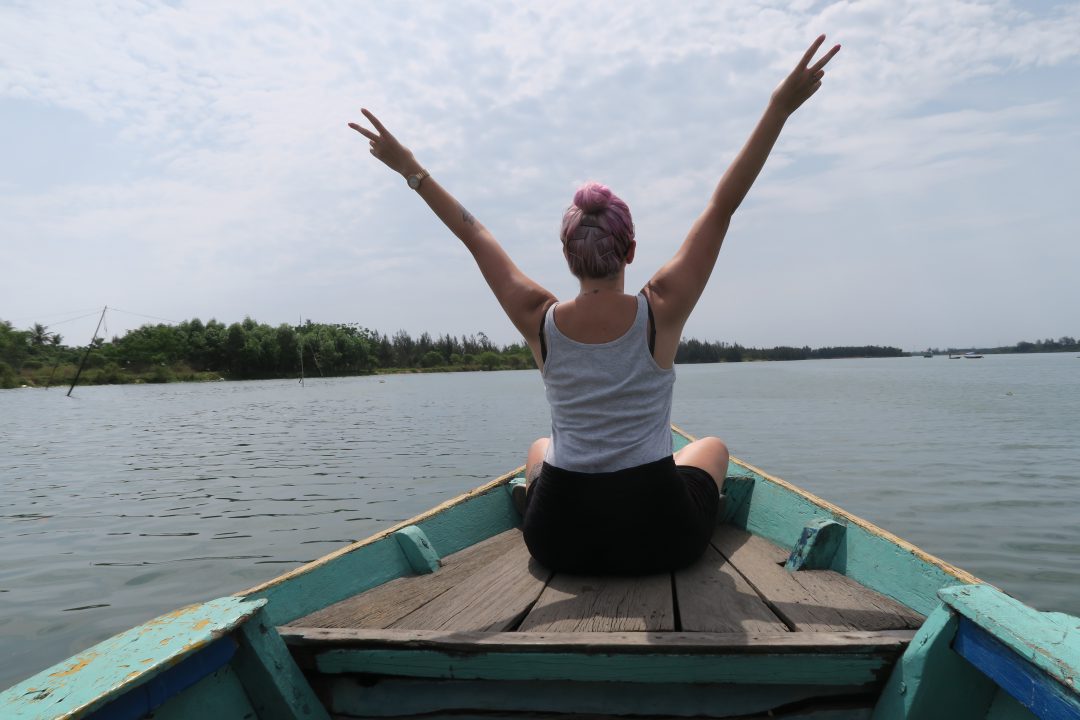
<point x="668" y="322"/>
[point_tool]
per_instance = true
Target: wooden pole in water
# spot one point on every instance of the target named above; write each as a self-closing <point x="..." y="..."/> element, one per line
<point x="300" y="342"/>
<point x="87" y="353"/>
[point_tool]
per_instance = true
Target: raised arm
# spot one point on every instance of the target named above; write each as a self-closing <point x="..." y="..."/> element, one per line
<point x="676" y="287"/>
<point x="522" y="299"/>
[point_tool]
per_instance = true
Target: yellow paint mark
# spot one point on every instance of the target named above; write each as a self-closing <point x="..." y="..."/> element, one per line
<point x="200" y="625"/>
<point x="148" y="660"/>
<point x="79" y="665"/>
<point x="165" y="641"/>
<point x="167" y="618"/>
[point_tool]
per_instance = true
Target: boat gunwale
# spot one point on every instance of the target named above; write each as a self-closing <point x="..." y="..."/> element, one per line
<point x="598" y="642"/>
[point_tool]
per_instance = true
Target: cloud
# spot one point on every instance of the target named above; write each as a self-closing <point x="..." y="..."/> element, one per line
<point x="233" y="173"/>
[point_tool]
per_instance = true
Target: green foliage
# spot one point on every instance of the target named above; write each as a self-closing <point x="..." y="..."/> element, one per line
<point x="1062" y="344"/>
<point x="696" y="351"/>
<point x="489" y="360"/>
<point x="8" y="377"/>
<point x="432" y="359"/>
<point x="194" y="350"/>
<point x="14" y="346"/>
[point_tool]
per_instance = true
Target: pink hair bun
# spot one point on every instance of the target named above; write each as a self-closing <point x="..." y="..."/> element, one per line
<point x="598" y="248"/>
<point x="592" y="197"/>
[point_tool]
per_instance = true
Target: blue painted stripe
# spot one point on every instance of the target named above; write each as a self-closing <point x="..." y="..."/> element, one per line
<point x="1032" y="688"/>
<point x="142" y="699"/>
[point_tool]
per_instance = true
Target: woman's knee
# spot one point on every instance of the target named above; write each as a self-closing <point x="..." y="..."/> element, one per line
<point x="538" y="449"/>
<point x="708" y="453"/>
<point x="535" y="458"/>
<point x="717" y="447"/>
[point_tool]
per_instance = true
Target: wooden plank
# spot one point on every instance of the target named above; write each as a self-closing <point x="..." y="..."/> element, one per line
<point x="577" y="603"/>
<point x="1027" y="683"/>
<point x="394" y="697"/>
<point x="809" y="600"/>
<point x="758" y="560"/>
<point x="116" y="666"/>
<point x="684" y="643"/>
<point x="382" y="606"/>
<point x="273" y="682"/>
<point x="863" y="670"/>
<point x="860" y="606"/>
<point x="713" y="597"/>
<point x="495" y="597"/>
<point x="1051" y="641"/>
<point x="931" y="681"/>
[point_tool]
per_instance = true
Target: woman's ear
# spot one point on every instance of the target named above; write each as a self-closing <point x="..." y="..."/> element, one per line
<point x="630" y="252"/>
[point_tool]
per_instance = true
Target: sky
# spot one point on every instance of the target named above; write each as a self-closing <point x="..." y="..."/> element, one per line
<point x="192" y="159"/>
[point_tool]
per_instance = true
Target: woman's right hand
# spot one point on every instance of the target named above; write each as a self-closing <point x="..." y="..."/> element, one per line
<point x="386" y="147"/>
<point x="803" y="81"/>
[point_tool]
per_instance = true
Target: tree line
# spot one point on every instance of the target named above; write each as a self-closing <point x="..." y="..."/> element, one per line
<point x="194" y="350"/>
<point x="698" y="351"/>
<point x="1065" y="343"/>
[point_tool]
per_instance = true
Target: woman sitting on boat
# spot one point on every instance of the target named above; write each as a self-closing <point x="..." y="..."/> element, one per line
<point x="605" y="493"/>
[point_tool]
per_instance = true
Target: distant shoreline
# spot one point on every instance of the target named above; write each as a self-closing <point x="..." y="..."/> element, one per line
<point x="194" y="351"/>
<point x="64" y="376"/>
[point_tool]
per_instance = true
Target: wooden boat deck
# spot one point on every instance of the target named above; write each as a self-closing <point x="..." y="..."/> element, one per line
<point x="738" y="586"/>
<point x="492" y="631"/>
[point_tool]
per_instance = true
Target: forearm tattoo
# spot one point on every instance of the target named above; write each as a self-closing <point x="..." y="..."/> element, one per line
<point x="466" y="215"/>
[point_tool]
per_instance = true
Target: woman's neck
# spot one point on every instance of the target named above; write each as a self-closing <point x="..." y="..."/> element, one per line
<point x="594" y="286"/>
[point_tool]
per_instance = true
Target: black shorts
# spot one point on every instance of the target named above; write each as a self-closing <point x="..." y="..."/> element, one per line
<point x="646" y="519"/>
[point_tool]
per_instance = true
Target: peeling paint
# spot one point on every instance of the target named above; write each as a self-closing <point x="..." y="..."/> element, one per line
<point x="79" y="665"/>
<point x="112" y="667"/>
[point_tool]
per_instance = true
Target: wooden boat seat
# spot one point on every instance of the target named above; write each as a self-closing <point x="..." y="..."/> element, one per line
<point x="738" y="586"/>
<point x="492" y="626"/>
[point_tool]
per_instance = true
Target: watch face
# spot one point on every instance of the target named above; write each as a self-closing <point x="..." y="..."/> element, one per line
<point x="414" y="181"/>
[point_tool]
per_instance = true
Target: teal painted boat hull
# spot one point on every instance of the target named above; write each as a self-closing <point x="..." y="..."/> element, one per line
<point x="979" y="653"/>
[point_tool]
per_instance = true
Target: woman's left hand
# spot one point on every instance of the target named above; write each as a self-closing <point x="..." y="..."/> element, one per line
<point x="386" y="147"/>
<point x="804" y="80"/>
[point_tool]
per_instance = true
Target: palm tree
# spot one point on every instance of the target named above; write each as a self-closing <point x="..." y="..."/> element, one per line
<point x="39" y="335"/>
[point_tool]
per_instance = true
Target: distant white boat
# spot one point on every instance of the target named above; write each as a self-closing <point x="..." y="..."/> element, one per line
<point x="972" y="356"/>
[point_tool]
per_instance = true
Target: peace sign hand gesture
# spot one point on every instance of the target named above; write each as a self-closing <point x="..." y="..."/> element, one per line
<point x="386" y="147"/>
<point x="803" y="81"/>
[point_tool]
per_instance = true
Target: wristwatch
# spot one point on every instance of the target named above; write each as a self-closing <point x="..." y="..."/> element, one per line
<point x="415" y="180"/>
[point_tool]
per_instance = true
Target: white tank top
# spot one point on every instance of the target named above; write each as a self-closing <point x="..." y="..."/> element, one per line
<point x="610" y="402"/>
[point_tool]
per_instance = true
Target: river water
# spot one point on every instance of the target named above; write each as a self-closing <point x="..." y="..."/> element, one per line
<point x="124" y="502"/>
